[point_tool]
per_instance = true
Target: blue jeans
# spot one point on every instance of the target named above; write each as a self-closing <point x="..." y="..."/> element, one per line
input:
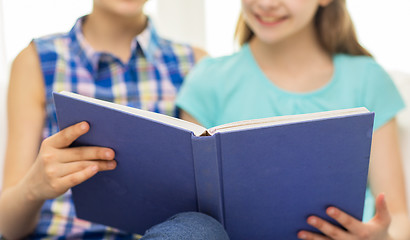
<point x="187" y="226"/>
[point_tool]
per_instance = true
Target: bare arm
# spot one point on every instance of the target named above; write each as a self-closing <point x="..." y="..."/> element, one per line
<point x="32" y="176"/>
<point x="25" y="118"/>
<point x="386" y="175"/>
<point x="187" y="117"/>
<point x="199" y="54"/>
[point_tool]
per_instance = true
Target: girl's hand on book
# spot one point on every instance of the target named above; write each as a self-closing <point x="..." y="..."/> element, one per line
<point x="58" y="168"/>
<point x="375" y="229"/>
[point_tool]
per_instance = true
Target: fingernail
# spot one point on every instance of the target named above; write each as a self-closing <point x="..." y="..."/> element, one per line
<point x="111" y="164"/>
<point x="312" y="221"/>
<point x="108" y="154"/>
<point x="302" y="236"/>
<point x="331" y="211"/>
<point x="94" y="168"/>
<point x="83" y="126"/>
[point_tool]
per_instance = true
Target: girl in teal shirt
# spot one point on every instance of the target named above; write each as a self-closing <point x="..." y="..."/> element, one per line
<point x="302" y="57"/>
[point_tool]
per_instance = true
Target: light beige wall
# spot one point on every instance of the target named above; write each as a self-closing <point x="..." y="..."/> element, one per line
<point x="181" y="20"/>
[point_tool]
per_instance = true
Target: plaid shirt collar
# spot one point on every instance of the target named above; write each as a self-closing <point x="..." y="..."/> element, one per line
<point x="147" y="41"/>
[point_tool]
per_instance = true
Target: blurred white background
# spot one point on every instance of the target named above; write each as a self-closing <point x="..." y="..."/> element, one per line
<point x="382" y="27"/>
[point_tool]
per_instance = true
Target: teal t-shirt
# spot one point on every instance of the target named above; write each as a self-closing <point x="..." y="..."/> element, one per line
<point x="234" y="88"/>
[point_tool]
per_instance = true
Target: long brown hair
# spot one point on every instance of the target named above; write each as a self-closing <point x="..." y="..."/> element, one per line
<point x="334" y="28"/>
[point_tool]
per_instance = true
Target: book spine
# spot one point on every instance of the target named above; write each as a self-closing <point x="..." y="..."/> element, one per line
<point x="208" y="176"/>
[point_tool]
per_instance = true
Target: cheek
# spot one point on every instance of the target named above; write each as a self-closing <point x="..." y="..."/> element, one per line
<point x="246" y="2"/>
<point x="247" y="16"/>
<point x="303" y="14"/>
<point x="247" y="6"/>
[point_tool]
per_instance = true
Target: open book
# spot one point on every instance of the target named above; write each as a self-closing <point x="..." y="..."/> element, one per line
<point x="260" y="178"/>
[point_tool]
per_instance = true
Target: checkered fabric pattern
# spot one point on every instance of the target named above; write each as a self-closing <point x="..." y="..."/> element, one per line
<point x="150" y="80"/>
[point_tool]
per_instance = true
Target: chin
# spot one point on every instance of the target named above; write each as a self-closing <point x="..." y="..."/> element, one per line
<point x="270" y="39"/>
<point x="121" y="8"/>
<point x="128" y="12"/>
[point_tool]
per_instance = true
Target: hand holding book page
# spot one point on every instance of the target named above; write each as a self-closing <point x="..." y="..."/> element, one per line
<point x="260" y="178"/>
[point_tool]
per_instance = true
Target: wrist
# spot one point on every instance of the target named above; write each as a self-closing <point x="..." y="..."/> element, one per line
<point x="29" y="193"/>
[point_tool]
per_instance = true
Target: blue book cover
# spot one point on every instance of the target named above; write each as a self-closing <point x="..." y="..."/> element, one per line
<point x="260" y="178"/>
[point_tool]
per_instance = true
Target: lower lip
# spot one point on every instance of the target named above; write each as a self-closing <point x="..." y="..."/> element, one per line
<point x="271" y="24"/>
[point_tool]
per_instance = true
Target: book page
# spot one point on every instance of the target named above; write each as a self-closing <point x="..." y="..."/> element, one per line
<point x="176" y="122"/>
<point x="235" y="126"/>
<point x="265" y="122"/>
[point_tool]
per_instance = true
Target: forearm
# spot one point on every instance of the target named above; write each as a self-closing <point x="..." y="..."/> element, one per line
<point x="400" y="227"/>
<point x="387" y="176"/>
<point x="19" y="212"/>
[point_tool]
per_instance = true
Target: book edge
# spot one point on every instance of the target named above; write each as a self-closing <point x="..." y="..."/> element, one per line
<point x="287" y="119"/>
<point x="197" y="130"/>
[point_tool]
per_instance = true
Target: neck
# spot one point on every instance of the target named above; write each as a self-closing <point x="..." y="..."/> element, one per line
<point x="297" y="50"/>
<point x="108" y="27"/>
<point x="298" y="63"/>
<point x="111" y="33"/>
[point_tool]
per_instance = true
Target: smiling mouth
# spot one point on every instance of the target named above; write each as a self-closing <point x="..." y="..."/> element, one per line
<point x="268" y="20"/>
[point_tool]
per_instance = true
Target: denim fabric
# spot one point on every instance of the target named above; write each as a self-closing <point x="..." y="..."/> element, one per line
<point x="187" y="226"/>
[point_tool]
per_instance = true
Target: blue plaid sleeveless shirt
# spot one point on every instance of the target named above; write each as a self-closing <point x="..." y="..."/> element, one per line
<point x="150" y="81"/>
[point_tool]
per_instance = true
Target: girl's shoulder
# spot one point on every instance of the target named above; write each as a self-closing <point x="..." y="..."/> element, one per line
<point x="359" y="68"/>
<point x="51" y="40"/>
<point x="355" y="62"/>
<point x="171" y="47"/>
<point x="223" y="64"/>
<point x="211" y="72"/>
<point x="53" y="45"/>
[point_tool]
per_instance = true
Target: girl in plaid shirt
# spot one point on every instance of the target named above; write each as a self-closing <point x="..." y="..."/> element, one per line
<point x="114" y="54"/>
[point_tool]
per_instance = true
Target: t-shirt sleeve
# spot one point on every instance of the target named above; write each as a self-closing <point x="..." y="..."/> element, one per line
<point x="197" y="95"/>
<point x="381" y="95"/>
